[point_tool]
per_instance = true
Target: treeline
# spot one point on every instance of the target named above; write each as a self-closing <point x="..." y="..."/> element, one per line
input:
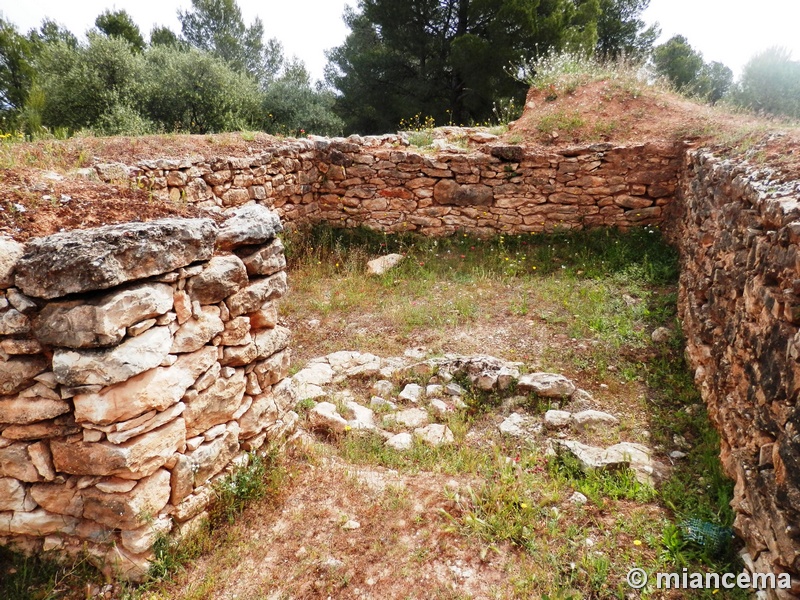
<point x="442" y="61"/>
<point x="218" y="74"/>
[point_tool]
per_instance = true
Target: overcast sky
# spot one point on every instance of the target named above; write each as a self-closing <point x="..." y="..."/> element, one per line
<point x="729" y="31"/>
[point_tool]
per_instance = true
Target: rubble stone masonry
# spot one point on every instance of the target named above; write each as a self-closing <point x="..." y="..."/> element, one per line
<point x="134" y="373"/>
<point x="740" y="307"/>
<point x="138" y="364"/>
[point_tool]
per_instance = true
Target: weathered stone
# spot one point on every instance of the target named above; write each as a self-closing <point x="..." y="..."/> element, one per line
<point x="16" y="462"/>
<point x="182" y="478"/>
<point x="29" y="410"/>
<point x="447" y="191"/>
<point x="379" y="266"/>
<point x="58" y="498"/>
<point x="17" y="373"/>
<point x="140" y="541"/>
<point x="556" y="419"/>
<point x="102" y="322"/>
<point x="413" y="417"/>
<point x="435" y="435"/>
<point x="115" y="485"/>
<point x="134" y="459"/>
<point x="512" y="425"/>
<point x="255" y="295"/>
<point x="40" y="430"/>
<point x="324" y="416"/>
<point x="42" y="460"/>
<point x="271" y="341"/>
<point x="128" y="510"/>
<point x="264" y="318"/>
<point x="17" y="347"/>
<point x="362" y="417"/>
<point x="97" y="259"/>
<point x="206" y="379"/>
<point x="210" y="458"/>
<point x="509" y="153"/>
<point x="12" y="494"/>
<point x="38" y="523"/>
<point x="222" y="276"/>
<point x="624" y="455"/>
<point x="547" y="385"/>
<point x="10" y="253"/>
<point x="265" y="261"/>
<point x="194" y="504"/>
<point x="411" y="392"/>
<point x="197" y="332"/>
<point x="272" y="370"/>
<point x="401" y="441"/>
<point x="593" y="418"/>
<point x="237" y="332"/>
<point x="106" y="367"/>
<point x="156" y="389"/>
<point x="251" y="224"/>
<point x="216" y="404"/>
<point x="13" y="322"/>
<point x="162" y="418"/>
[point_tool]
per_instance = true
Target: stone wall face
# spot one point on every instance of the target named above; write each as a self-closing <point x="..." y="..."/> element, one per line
<point x="740" y="307"/>
<point x="138" y="363"/>
<point x="381" y="183"/>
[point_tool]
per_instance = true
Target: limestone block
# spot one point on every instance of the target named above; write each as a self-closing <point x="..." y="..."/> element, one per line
<point x="264" y="318"/>
<point x="273" y="369"/>
<point x="42" y="460"/>
<point x="547" y="385"/>
<point x="16" y="462"/>
<point x="216" y="404"/>
<point x="271" y="341"/>
<point x="156" y="389"/>
<point x="13" y="322"/>
<point x="41" y="430"/>
<point x="58" y="498"/>
<point x="380" y="265"/>
<point x="39" y="523"/>
<point x="193" y="505"/>
<point x="97" y="259"/>
<point x="24" y="410"/>
<point x="134" y="459"/>
<point x="16" y="346"/>
<point x="413" y="417"/>
<point x="106" y="367"/>
<point x="102" y="322"/>
<point x="12" y="494"/>
<point x="237" y="332"/>
<point x="17" y="373"/>
<point x="250" y="224"/>
<point x="222" y="276"/>
<point x="210" y="376"/>
<point x="183" y="306"/>
<point x="156" y="421"/>
<point x="128" y="510"/>
<point x="265" y="261"/>
<point x="210" y="458"/>
<point x="449" y="192"/>
<point x="253" y="297"/>
<point x="434" y="435"/>
<point x="197" y="332"/>
<point x="237" y="356"/>
<point x="181" y="479"/>
<point x="140" y="541"/>
<point x="10" y="253"/>
<point x="325" y="417"/>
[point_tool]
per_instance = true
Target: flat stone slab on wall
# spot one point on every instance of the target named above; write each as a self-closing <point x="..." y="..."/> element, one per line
<point x="132" y="376"/>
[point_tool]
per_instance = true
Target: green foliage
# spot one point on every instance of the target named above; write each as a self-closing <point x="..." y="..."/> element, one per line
<point x="119" y="24"/>
<point x="446" y="58"/>
<point x="291" y="105"/>
<point x="82" y="84"/>
<point x="217" y="26"/>
<point x="686" y="71"/>
<point x="620" y="31"/>
<point x="676" y="60"/>
<point x="770" y="83"/>
<point x="163" y="36"/>
<point x="16" y="68"/>
<point x="195" y="92"/>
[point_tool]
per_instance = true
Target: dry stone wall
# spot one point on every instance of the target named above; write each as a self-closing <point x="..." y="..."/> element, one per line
<point x="740" y="307"/>
<point x="138" y="363"/>
<point x="381" y="183"/>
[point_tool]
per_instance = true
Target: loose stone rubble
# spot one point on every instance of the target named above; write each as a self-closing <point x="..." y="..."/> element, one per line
<point x="414" y="410"/>
<point x="138" y="365"/>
